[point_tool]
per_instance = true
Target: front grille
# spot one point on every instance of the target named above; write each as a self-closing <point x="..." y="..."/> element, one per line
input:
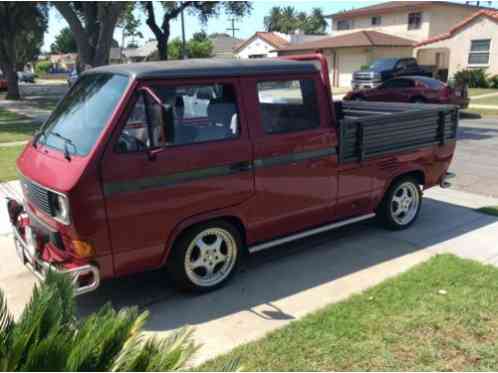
<point x="362" y="76"/>
<point x="37" y="195"/>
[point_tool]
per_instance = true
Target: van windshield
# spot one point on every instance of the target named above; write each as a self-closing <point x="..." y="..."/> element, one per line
<point x="79" y="119"/>
<point x="383" y="64"/>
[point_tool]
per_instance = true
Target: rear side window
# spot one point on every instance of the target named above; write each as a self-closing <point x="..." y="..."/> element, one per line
<point x="288" y="106"/>
<point x="190" y="114"/>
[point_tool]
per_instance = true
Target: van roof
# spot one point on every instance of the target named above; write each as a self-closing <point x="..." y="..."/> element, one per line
<point x="208" y="67"/>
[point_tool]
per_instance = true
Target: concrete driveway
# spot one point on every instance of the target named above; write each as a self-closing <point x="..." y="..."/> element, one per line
<point x="476" y="157"/>
<point x="283" y="284"/>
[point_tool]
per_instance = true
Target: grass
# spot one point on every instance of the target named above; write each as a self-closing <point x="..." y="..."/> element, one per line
<point x="483" y="112"/>
<point x="8" y="156"/>
<point x="481" y="91"/>
<point x="46" y="103"/>
<point x="486" y="101"/>
<point x="439" y="316"/>
<point x="490" y="210"/>
<point x="14" y="127"/>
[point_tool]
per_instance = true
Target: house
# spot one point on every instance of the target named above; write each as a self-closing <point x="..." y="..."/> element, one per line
<point x="223" y="45"/>
<point x="144" y="53"/>
<point x="261" y="44"/>
<point x="390" y="29"/>
<point x="470" y="44"/>
<point x="63" y="61"/>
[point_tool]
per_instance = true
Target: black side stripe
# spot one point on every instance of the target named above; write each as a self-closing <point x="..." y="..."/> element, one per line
<point x="199" y="174"/>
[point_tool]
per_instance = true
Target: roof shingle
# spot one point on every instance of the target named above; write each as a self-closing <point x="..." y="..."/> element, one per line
<point x="270" y="37"/>
<point x="354" y="39"/>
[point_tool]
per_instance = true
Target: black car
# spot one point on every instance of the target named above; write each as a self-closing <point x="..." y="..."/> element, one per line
<point x="387" y="68"/>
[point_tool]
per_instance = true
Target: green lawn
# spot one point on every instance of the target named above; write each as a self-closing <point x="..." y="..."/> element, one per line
<point x="14" y="127"/>
<point x="45" y="103"/>
<point x="491" y="210"/>
<point x="481" y="91"/>
<point x="486" y="101"/>
<point x="8" y="156"/>
<point x="441" y="315"/>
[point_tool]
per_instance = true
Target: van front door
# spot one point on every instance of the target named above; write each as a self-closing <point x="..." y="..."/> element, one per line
<point x="295" y="160"/>
<point x="172" y="161"/>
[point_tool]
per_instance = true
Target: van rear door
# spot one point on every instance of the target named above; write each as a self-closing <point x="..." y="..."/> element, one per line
<point x="200" y="162"/>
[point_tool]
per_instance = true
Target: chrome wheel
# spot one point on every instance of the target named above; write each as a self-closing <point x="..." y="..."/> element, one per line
<point x="210" y="257"/>
<point x="405" y="203"/>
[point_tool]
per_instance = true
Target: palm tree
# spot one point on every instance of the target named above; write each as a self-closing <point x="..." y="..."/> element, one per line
<point x="49" y="337"/>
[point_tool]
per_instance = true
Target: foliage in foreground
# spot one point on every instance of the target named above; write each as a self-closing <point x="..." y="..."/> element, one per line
<point x="439" y="316"/>
<point x="49" y="337"/>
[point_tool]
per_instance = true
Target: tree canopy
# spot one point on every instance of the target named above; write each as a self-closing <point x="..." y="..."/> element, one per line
<point x="64" y="42"/>
<point x="204" y="10"/>
<point x="197" y="47"/>
<point x="287" y="20"/>
<point x="22" y="25"/>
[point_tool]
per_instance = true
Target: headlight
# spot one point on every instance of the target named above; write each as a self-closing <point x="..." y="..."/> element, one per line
<point x="60" y="208"/>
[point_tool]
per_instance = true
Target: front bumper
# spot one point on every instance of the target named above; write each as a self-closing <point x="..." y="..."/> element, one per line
<point x="85" y="278"/>
<point x="365" y="84"/>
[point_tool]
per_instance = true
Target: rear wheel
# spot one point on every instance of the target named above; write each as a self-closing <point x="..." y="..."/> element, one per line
<point x="206" y="256"/>
<point x="401" y="205"/>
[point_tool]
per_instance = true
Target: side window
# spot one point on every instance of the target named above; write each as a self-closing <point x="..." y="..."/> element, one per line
<point x="288" y="106"/>
<point x="398" y="83"/>
<point x="188" y="115"/>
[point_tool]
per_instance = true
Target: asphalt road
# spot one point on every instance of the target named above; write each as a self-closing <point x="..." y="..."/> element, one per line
<point x="476" y="158"/>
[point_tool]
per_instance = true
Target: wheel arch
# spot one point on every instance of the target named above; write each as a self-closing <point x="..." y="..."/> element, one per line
<point x="183" y="227"/>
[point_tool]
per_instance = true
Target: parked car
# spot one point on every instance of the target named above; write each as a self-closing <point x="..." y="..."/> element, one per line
<point x="72" y="78"/>
<point x="124" y="178"/>
<point x="415" y="89"/>
<point x="387" y="68"/>
<point x="26" y="76"/>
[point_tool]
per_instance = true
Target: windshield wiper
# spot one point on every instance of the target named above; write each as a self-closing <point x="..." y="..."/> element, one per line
<point x="36" y="136"/>
<point x="67" y="142"/>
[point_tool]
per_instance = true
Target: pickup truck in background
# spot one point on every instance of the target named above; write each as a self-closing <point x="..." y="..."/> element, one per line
<point x="126" y="177"/>
<point x="387" y="68"/>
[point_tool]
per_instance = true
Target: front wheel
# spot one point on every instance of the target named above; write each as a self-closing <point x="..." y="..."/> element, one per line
<point x="206" y="256"/>
<point x="401" y="205"/>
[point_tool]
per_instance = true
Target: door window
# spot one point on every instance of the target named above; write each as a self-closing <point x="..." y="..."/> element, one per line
<point x="288" y="106"/>
<point x="398" y="83"/>
<point x="188" y="115"/>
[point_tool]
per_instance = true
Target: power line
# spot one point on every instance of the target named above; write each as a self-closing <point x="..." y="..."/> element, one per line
<point x="233" y="29"/>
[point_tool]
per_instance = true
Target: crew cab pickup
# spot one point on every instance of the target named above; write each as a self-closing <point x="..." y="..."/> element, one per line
<point x="384" y="69"/>
<point x="189" y="165"/>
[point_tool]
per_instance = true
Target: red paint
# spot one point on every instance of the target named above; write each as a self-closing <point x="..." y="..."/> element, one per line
<point x="419" y="92"/>
<point x="135" y="231"/>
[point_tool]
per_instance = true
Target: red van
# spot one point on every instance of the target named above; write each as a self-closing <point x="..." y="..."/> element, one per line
<point x="191" y="164"/>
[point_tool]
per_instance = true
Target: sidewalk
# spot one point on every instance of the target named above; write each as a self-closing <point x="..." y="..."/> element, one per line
<point x="23" y="108"/>
<point x="286" y="283"/>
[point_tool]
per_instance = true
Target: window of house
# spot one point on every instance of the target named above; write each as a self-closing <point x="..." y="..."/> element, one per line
<point x="344" y="24"/>
<point x="376" y="20"/>
<point x="414" y="21"/>
<point x="189" y="114"/>
<point x="479" y="52"/>
<point x="288" y="106"/>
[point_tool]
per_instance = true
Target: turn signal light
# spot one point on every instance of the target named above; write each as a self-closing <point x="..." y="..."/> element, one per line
<point x="83" y="249"/>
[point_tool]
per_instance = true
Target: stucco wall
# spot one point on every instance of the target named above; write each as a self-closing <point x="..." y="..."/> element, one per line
<point x="459" y="45"/>
<point x="435" y="20"/>
<point x="256" y="47"/>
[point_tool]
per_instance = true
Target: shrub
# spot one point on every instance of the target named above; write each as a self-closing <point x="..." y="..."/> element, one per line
<point x="493" y="82"/>
<point x="473" y="78"/>
<point x="364" y="67"/>
<point x="42" y="67"/>
<point x="49" y="337"/>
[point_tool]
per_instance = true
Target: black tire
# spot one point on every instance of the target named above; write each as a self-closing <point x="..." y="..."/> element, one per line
<point x="390" y="213"/>
<point x="187" y="278"/>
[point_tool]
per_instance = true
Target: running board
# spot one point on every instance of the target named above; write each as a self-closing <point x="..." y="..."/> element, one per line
<point x="311" y="232"/>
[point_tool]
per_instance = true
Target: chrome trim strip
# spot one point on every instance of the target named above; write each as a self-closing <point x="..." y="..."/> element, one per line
<point x="311" y="232"/>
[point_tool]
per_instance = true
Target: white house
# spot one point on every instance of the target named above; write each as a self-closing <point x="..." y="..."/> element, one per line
<point x="470" y="44"/>
<point x="261" y="44"/>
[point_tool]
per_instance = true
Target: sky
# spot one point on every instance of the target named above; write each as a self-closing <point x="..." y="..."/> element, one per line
<point x="247" y="25"/>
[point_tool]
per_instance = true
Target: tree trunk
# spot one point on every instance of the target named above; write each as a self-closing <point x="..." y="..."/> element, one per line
<point x="12" y="83"/>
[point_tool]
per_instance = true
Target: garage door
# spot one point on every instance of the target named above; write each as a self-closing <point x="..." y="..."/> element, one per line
<point x="349" y="63"/>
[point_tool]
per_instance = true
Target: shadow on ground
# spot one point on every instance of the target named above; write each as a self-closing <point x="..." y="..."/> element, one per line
<point x="287" y="270"/>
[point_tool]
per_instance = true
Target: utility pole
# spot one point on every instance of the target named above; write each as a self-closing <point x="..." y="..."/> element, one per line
<point x="233" y="29"/>
<point x="184" y="50"/>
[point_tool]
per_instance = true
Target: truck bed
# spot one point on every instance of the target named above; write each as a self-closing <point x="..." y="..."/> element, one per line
<point x="374" y="129"/>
